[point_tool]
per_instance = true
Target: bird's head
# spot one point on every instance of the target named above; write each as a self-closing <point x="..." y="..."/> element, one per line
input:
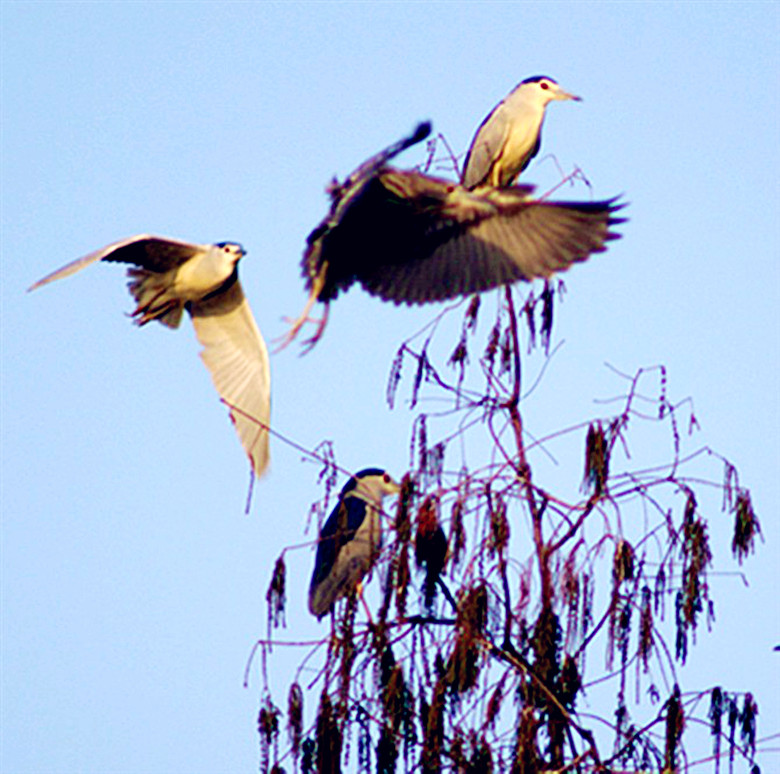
<point x="542" y="90"/>
<point x="233" y="251"/>
<point x="371" y="484"/>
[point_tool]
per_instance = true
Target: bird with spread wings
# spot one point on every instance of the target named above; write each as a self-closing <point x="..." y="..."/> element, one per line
<point x="412" y="238"/>
<point x="169" y="276"/>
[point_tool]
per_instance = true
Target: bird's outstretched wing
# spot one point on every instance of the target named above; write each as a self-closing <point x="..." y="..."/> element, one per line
<point x="158" y="254"/>
<point x="488" y="238"/>
<point x="413" y="238"/>
<point x="236" y="355"/>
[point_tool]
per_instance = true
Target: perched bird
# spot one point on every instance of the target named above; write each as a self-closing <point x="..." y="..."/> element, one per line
<point x="511" y="134"/>
<point x="350" y="539"/>
<point x="171" y="276"/>
<point x="411" y="238"/>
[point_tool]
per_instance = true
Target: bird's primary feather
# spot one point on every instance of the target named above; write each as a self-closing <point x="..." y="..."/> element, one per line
<point x="158" y="254"/>
<point x="236" y="355"/>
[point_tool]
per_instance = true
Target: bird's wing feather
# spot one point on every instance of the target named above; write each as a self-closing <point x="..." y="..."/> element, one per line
<point x="236" y="355"/>
<point x="348" y="515"/>
<point x="149" y="252"/>
<point x="346" y="198"/>
<point x="476" y="240"/>
<point x="486" y="147"/>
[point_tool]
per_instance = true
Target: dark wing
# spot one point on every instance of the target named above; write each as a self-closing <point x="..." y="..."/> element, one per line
<point x="157" y="254"/>
<point x="379" y="160"/>
<point x="339" y="528"/>
<point x="387" y="219"/>
<point x="347" y="197"/>
<point x="237" y="358"/>
<point x="447" y="241"/>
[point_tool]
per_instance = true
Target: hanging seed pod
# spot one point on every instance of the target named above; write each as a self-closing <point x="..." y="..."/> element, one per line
<point x="430" y="546"/>
<point x="494" y="704"/>
<point x="470" y="320"/>
<point x="463" y="665"/>
<point x="596" y="460"/>
<point x="394" y="379"/>
<point x="499" y="527"/>
<point x="548" y="303"/>
<point x="675" y="723"/>
<point x="433" y="725"/>
<point x="276" y="597"/>
<point x="491" y="349"/>
<point x="569" y="682"/>
<point x="457" y="540"/>
<point x="329" y="739"/>
<point x="295" y="718"/>
<point x="746" y="526"/>
<point x="623" y="562"/>
<point x="268" y="729"/>
<point x="646" y="628"/>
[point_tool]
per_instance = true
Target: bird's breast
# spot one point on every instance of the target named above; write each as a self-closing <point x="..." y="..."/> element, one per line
<point x="201" y="275"/>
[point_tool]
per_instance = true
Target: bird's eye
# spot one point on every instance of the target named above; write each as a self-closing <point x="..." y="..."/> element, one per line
<point x="386" y="478"/>
<point x="544" y="85"/>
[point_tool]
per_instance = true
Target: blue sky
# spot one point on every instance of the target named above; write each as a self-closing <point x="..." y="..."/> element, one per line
<point x="133" y="584"/>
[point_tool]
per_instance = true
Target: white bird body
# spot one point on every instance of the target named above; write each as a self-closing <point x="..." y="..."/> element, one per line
<point x="510" y="136"/>
<point x="200" y="275"/>
<point x="169" y="276"/>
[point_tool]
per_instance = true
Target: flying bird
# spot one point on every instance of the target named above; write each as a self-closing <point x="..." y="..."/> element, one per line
<point x="411" y="238"/>
<point x="350" y="539"/>
<point x="169" y="276"/>
<point x="511" y="134"/>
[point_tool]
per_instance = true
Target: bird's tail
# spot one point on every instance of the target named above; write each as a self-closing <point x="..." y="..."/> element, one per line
<point x="153" y="302"/>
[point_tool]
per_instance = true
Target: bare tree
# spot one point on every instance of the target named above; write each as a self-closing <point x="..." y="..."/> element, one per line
<point x="506" y="605"/>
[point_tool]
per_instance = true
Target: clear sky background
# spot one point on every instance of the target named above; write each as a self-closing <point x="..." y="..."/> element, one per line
<point x="133" y="584"/>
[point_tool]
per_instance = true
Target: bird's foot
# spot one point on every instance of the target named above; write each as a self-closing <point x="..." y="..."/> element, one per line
<point x="295" y="327"/>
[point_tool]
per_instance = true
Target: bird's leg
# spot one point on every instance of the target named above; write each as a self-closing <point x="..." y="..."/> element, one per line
<point x="321" y="323"/>
<point x="296" y="325"/>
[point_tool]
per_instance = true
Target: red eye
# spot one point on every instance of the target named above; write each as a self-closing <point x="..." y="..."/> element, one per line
<point x="386" y="478"/>
<point x="544" y="85"/>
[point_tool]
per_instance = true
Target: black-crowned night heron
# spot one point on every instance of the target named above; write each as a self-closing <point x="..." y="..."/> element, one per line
<point x="511" y="135"/>
<point x="350" y="539"/>
<point x="411" y="238"/>
<point x="172" y="276"/>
